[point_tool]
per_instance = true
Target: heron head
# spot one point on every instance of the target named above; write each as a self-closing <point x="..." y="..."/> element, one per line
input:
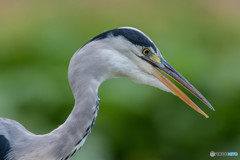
<point x="129" y="52"/>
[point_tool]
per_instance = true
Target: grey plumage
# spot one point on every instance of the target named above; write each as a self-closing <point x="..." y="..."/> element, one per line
<point x="115" y="53"/>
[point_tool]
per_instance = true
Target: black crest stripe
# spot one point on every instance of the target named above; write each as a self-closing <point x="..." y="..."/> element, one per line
<point x="134" y="36"/>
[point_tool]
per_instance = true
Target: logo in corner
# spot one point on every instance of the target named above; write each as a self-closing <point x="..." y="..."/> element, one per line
<point x="212" y="153"/>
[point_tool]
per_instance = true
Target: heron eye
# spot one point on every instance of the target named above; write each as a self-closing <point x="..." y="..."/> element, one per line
<point x="146" y="51"/>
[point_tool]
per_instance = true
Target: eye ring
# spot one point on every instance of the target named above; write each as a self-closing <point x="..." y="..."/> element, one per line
<point x="146" y="51"/>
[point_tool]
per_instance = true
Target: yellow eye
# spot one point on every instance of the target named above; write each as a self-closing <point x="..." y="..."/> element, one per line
<point x="146" y="51"/>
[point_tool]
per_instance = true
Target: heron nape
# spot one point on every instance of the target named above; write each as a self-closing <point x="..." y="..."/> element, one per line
<point x="121" y="52"/>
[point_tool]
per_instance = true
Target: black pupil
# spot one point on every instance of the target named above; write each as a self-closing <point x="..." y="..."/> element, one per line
<point x="146" y="51"/>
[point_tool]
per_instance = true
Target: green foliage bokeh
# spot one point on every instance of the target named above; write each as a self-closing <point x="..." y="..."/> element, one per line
<point x="201" y="39"/>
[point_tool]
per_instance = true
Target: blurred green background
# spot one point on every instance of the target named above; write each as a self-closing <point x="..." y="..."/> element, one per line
<point x="201" y="39"/>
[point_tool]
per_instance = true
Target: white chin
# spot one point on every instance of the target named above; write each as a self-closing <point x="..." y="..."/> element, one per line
<point x="150" y="80"/>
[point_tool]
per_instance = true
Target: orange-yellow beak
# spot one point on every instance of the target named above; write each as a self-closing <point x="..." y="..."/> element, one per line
<point x="161" y="65"/>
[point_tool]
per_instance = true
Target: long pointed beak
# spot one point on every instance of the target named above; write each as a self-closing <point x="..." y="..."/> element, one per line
<point x="169" y="70"/>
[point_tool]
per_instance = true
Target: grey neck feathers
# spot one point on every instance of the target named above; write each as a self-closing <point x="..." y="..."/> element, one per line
<point x="78" y="125"/>
<point x="74" y="131"/>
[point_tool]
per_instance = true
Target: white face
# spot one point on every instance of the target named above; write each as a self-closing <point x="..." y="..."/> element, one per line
<point x="124" y="59"/>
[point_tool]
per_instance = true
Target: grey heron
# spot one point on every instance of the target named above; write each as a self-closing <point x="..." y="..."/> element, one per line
<point x="121" y="52"/>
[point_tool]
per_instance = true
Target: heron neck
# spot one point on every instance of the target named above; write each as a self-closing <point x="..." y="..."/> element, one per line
<point x="85" y="76"/>
<point x="74" y="131"/>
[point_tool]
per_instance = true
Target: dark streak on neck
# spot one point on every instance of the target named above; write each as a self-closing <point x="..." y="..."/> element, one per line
<point x="87" y="132"/>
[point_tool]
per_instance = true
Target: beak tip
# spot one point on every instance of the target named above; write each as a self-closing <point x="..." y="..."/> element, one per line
<point x="210" y="106"/>
<point x="204" y="114"/>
